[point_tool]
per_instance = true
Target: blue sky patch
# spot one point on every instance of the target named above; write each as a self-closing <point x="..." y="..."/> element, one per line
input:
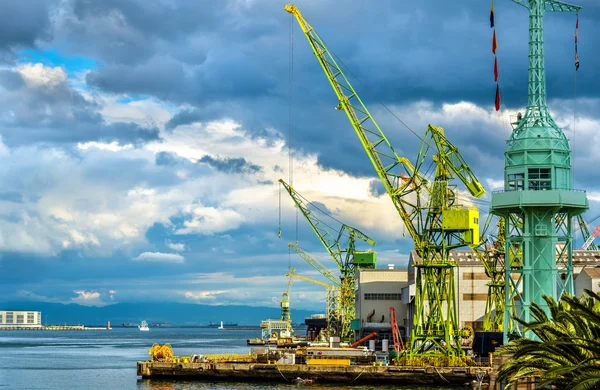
<point x="52" y="57"/>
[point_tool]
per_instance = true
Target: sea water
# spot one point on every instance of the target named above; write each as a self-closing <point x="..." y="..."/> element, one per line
<point x="106" y="359"/>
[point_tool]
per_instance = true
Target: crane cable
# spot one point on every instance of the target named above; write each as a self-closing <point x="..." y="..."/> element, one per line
<point x="291" y="107"/>
<point x="372" y="94"/>
<point x="575" y="95"/>
<point x="291" y="104"/>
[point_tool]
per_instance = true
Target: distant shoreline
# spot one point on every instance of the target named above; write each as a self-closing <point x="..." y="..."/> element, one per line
<point x="240" y="327"/>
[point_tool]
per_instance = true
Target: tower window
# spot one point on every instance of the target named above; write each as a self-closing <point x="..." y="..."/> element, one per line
<point x="539" y="179"/>
<point x="516" y="182"/>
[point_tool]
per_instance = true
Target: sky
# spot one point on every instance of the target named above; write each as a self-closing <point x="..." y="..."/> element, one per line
<point x="141" y="142"/>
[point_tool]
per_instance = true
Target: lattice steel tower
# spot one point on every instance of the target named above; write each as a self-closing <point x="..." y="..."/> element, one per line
<point x="538" y="201"/>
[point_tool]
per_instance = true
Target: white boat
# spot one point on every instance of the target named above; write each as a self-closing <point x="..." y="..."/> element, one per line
<point x="221" y="327"/>
<point x="143" y="326"/>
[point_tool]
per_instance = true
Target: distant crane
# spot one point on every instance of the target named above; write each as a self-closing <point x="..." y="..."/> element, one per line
<point x="316" y="264"/>
<point x="429" y="210"/>
<point x="331" y="302"/>
<point x="347" y="259"/>
<point x="285" y="300"/>
<point x="587" y="236"/>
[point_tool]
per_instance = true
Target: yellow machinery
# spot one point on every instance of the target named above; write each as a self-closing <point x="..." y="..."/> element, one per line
<point x="160" y="353"/>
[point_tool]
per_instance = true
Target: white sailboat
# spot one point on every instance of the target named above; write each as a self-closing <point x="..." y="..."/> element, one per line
<point x="221" y="327"/>
<point x="144" y="326"/>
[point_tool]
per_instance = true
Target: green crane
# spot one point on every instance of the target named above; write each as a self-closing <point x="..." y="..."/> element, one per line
<point x="316" y="265"/>
<point x="491" y="253"/>
<point x="537" y="191"/>
<point x="347" y="259"/>
<point x="428" y="209"/>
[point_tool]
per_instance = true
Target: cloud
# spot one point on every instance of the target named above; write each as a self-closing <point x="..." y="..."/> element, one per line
<point x="230" y="165"/>
<point x="44" y="107"/>
<point x="204" y="295"/>
<point x="159" y="257"/>
<point x="22" y="24"/>
<point x="209" y="220"/>
<point x="88" y="298"/>
<point x="132" y="129"/>
<point x="179" y="247"/>
<point x="376" y="188"/>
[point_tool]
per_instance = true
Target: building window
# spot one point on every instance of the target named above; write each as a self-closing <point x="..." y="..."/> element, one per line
<point x="516" y="182"/>
<point x="20" y="319"/>
<point x="539" y="179"/>
<point x="9" y="317"/>
<point x="383" y="296"/>
<point x="30" y="319"/>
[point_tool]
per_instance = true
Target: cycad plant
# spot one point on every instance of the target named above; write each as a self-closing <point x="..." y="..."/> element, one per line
<point x="566" y="354"/>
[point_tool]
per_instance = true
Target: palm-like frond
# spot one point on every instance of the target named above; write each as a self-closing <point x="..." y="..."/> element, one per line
<point x="566" y="351"/>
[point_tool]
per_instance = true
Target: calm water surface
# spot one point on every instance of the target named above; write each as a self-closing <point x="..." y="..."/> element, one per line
<point x="107" y="359"/>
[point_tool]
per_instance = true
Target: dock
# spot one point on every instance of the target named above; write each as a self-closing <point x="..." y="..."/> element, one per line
<point x="358" y="374"/>
<point x="54" y="327"/>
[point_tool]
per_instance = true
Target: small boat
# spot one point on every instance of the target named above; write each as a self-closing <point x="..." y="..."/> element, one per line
<point x="221" y="327"/>
<point x="143" y="326"/>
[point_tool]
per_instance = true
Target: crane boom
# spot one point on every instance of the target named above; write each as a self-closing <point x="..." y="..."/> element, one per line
<point x="329" y="241"/>
<point x="331" y="299"/>
<point x="450" y="157"/>
<point x="306" y="279"/>
<point x="591" y="238"/>
<point x="316" y="264"/>
<point x="389" y="165"/>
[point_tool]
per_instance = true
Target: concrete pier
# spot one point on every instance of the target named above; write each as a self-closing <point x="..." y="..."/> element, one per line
<point x="318" y="373"/>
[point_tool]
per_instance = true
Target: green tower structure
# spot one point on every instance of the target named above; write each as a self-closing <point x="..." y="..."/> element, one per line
<point x="538" y="201"/>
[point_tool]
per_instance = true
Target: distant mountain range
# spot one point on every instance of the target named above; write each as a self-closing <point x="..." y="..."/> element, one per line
<point x="153" y="312"/>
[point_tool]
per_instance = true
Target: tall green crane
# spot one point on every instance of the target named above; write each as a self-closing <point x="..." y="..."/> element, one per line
<point x="428" y="209"/>
<point x="537" y="191"/>
<point x="347" y="259"/>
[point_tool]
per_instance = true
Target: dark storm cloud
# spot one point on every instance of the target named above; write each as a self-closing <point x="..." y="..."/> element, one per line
<point x="230" y="165"/>
<point x="223" y="75"/>
<point x="22" y="23"/>
<point x="54" y="112"/>
<point x="376" y="188"/>
<point x="184" y="117"/>
<point x="428" y="50"/>
<point x="229" y="59"/>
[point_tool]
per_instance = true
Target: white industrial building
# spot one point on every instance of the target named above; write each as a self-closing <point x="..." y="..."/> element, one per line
<point x="376" y="291"/>
<point x="379" y="289"/>
<point x="588" y="278"/>
<point x="20" y="319"/>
